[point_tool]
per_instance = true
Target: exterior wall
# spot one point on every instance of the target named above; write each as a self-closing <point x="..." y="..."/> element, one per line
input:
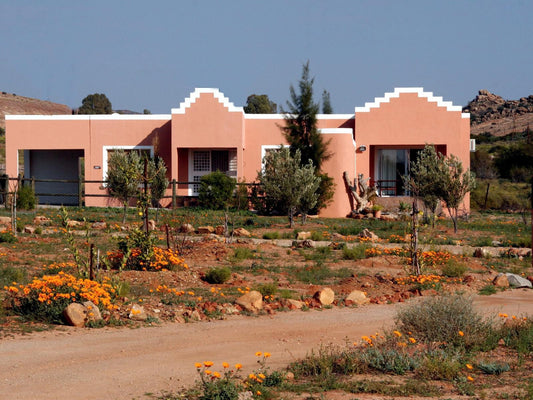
<point x="406" y="118"/>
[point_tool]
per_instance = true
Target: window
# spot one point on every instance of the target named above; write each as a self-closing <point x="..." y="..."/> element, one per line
<point x="391" y="166"/>
<point x="203" y="162"/>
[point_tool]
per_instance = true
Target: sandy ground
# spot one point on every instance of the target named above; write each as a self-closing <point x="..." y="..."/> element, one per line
<point x="127" y="363"/>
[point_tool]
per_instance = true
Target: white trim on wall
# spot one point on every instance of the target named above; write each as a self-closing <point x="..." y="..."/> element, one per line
<point x="418" y="90"/>
<point x="108" y="117"/>
<point x="266" y="147"/>
<point x="196" y="95"/>
<point x="337" y="131"/>
<point x="105" y="149"/>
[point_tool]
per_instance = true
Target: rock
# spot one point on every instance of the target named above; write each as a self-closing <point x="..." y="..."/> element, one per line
<point x="303" y="235"/>
<point x="337" y="237"/>
<point x="496" y="243"/>
<point x="41" y="220"/>
<point x="186" y="228"/>
<point x="369" y="235"/>
<point x="325" y="296"/>
<point x="248" y="395"/>
<point x="241" y="232"/>
<point x="518" y="281"/>
<point x="251" y="301"/>
<point x="203" y="230"/>
<point x="480" y="253"/>
<point x="295" y="304"/>
<point x="73" y="223"/>
<point x="219" y="230"/>
<point x="92" y="310"/>
<point x="99" y="225"/>
<point x="194" y="315"/>
<point x="151" y="225"/>
<point x="388" y="217"/>
<point x="29" y="229"/>
<point x="429" y="292"/>
<point x="137" y="313"/>
<point x="356" y="297"/>
<point x="303" y="244"/>
<point x="5" y="220"/>
<point x="289" y="376"/>
<point x="501" y="281"/>
<point x="75" y="315"/>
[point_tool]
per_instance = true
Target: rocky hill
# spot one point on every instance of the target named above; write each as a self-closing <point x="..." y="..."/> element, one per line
<point x="14" y="104"/>
<point x="490" y="113"/>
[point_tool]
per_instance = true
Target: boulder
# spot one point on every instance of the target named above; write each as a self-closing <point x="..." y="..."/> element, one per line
<point x="29" y="229"/>
<point x="295" y="304"/>
<point x="251" y="301"/>
<point x="92" y="310"/>
<point x="71" y="223"/>
<point x="369" y="235"/>
<point x="5" y="220"/>
<point x="480" y="253"/>
<point x="203" y="230"/>
<point x="75" y="315"/>
<point x="137" y="313"/>
<point x="99" y="225"/>
<point x="325" y="296"/>
<point x="151" y="225"/>
<point x="219" y="230"/>
<point x="356" y="297"/>
<point x="518" y="281"/>
<point x="501" y="281"/>
<point x="241" y="232"/>
<point x="303" y="235"/>
<point x="41" y="220"/>
<point x="186" y="228"/>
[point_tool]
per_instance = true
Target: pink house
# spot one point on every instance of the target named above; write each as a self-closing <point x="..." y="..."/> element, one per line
<point x="208" y="133"/>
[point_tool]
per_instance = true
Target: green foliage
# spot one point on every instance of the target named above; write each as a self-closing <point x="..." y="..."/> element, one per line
<point x="216" y="190"/>
<point x="493" y="368"/>
<point x="440" y="319"/>
<point x="487" y="290"/>
<point x="157" y="179"/>
<point x="96" y="103"/>
<point x="242" y="253"/>
<point x="454" y="269"/>
<point x="388" y="360"/>
<point x="7" y="237"/>
<point x="440" y="365"/>
<point x="271" y="235"/>
<point x="268" y="289"/>
<point x="357" y="252"/>
<point x="518" y="336"/>
<point x="217" y="275"/>
<point x="289" y="185"/>
<point x="515" y="162"/>
<point x="10" y="274"/>
<point x="143" y="243"/>
<point x="26" y="198"/>
<point x="260" y="104"/>
<point x="326" y="103"/>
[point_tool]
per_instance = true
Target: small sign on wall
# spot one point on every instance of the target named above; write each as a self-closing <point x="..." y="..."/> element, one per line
<point x="97" y="167"/>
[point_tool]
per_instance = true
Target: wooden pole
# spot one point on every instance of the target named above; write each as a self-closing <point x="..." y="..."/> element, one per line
<point x="91" y="270"/>
<point x="174" y="200"/>
<point x="168" y="236"/>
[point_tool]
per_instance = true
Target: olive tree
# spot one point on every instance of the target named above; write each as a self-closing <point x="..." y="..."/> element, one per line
<point x="285" y="181"/>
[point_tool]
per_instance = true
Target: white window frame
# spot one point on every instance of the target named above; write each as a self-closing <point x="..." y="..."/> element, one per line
<point x="105" y="156"/>
<point x="266" y="147"/>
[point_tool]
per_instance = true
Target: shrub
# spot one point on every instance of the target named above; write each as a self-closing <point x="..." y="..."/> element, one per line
<point x="493" y="368"/>
<point x="268" y="289"/>
<point x="216" y="190"/>
<point x="439" y="365"/>
<point x="453" y="269"/>
<point x="388" y="360"/>
<point x="487" y="290"/>
<point x="26" y="198"/>
<point x="10" y="274"/>
<point x="357" y="252"/>
<point x="217" y="275"/>
<point x="7" y="237"/>
<point x="271" y="235"/>
<point x="447" y="319"/>
<point x="242" y="253"/>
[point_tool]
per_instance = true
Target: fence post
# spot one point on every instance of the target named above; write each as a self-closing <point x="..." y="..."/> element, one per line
<point x="173" y="194"/>
<point x="80" y="182"/>
<point x="32" y="183"/>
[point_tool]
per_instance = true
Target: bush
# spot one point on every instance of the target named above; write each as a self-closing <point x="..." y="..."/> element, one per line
<point x="217" y="275"/>
<point x="268" y="289"/>
<point x="216" y="190"/>
<point x="26" y="198"/>
<point x="440" y="365"/>
<point x="447" y="319"/>
<point x="7" y="237"/>
<point x="453" y="269"/>
<point x="357" y="252"/>
<point x="388" y="360"/>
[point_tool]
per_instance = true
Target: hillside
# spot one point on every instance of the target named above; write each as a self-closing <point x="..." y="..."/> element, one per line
<point x="490" y="113"/>
<point x="14" y="104"/>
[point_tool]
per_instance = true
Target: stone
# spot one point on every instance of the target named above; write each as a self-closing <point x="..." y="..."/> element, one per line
<point x="289" y="376"/>
<point x="518" y="281"/>
<point x="186" y="228"/>
<point x="388" y="217"/>
<point x="303" y="235"/>
<point x="41" y="220"/>
<point x="325" y="296"/>
<point x="369" y="235"/>
<point x="194" y="315"/>
<point x="241" y="232"/>
<point x="99" y="225"/>
<point x="5" y="220"/>
<point x="151" y="225"/>
<point x="29" y="229"/>
<point x="203" y="230"/>
<point x="219" y="230"/>
<point x="93" y="312"/>
<point x="248" y="395"/>
<point x="480" y="253"/>
<point x="71" y="223"/>
<point x="251" y="301"/>
<point x="356" y="297"/>
<point x="137" y="313"/>
<point x="501" y="281"/>
<point x="75" y="315"/>
<point x="295" y="304"/>
<point x="496" y="243"/>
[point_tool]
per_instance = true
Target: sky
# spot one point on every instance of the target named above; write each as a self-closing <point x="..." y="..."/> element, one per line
<point x="153" y="54"/>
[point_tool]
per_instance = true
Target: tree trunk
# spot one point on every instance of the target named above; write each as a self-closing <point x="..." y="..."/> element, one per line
<point x="124" y="213"/>
<point x="304" y="218"/>
<point x="486" y="196"/>
<point x="291" y="217"/>
<point x="414" y="240"/>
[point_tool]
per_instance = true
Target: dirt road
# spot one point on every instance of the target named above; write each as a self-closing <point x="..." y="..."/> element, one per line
<point x="127" y="363"/>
